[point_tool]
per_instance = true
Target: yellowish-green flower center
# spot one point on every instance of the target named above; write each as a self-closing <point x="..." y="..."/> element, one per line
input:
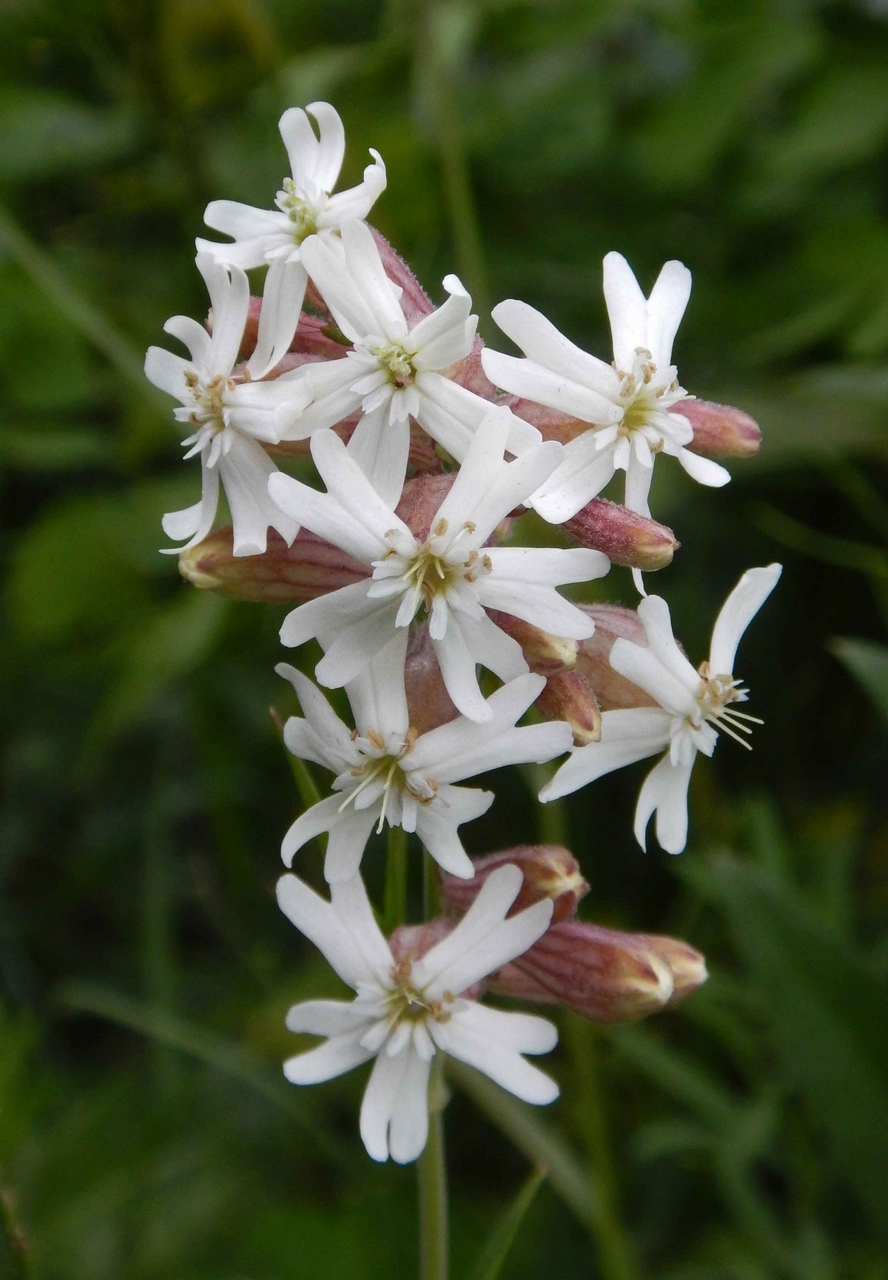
<point x="298" y="210"/>
<point x="396" y="362"/>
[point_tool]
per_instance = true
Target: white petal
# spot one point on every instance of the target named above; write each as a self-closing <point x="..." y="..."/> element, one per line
<point x="580" y="477"/>
<point x="456" y="661"/>
<point x="357" y="201"/>
<point x="229" y="292"/>
<point x="330" y="151"/>
<point x="638" y="485"/>
<point x="351" y="945"/>
<point x="464" y="1040"/>
<point x="548" y="566"/>
<point x="645" y="669"/>
<point x="302" y="146"/>
<point x="353" y="909"/>
<point x="381" y="448"/>
<point x="626" y="309"/>
<point x="326" y="1017"/>
<point x="737" y="612"/>
<point x="348" y="484"/>
<point x="493" y="648"/>
<point x="347" y="842"/>
<point x="245" y="470"/>
<point x="451" y="415"/>
<point x="354" y="646"/>
<point x="377" y="696"/>
<point x="197" y="520"/>
<point x="541" y="606"/>
<point x="326" y="616"/>
<point x="522" y="1032"/>
<point x="316" y="819"/>
<point x="167" y="371"/>
<point x="327" y="1061"/>
<point x="626" y="736"/>
<point x="442" y="752"/>
<point x="409" y="1128"/>
<point x="387" y="1079"/>
<point x="445" y="336"/>
<point x="242" y="221"/>
<point x="654" y="613"/>
<point x="665" y="791"/>
<point x="354" y="285"/>
<point x="534" y="382"/>
<point x="436" y="826"/>
<point x="703" y="470"/>
<point x="665" y="308"/>
<point x="193" y="335"/>
<point x="543" y="344"/>
<point x="282" y="297"/>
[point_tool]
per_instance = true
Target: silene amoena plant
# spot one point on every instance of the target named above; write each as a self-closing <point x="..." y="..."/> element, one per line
<point x="443" y="630"/>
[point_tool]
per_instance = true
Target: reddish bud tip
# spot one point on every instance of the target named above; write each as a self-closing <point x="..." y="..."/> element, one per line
<point x="569" y="696"/>
<point x="720" y="430"/>
<point x="624" y="536"/>
<point x="310" y="567"/>
<point x="549" y="870"/>
<point x="603" y="974"/>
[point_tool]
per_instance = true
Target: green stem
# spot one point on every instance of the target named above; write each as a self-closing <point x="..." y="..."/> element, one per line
<point x="431" y="894"/>
<point x="432" y="1172"/>
<point x="395" y="906"/>
<point x="615" y="1257"/>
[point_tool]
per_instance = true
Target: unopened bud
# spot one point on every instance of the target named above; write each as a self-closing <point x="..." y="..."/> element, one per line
<point x="310" y="567"/>
<point x="545" y="654"/>
<point x="419" y="502"/>
<point x="686" y="963"/>
<point x="469" y="373"/>
<point x="549" y="870"/>
<point x="603" y="974"/>
<point x="428" y="702"/>
<point x="612" y="691"/>
<point x="415" y="302"/>
<point x="569" y="696"/>
<point x="720" y="430"/>
<point x="624" y="536"/>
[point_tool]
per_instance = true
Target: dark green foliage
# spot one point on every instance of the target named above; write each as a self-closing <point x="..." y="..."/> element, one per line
<point x="145" y="1131"/>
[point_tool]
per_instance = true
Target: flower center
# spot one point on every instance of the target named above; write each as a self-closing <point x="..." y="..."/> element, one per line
<point x="396" y="362"/>
<point x="715" y="695"/>
<point x="385" y="767"/>
<point x="209" y="398"/>
<point x="643" y="395"/>
<point x="298" y="210"/>
<point x="408" y="1004"/>
<point x="431" y="568"/>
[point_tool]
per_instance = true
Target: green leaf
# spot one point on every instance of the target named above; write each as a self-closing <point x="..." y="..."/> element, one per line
<point x="868" y="663"/>
<point x="828" y="1013"/>
<point x="495" y="1252"/>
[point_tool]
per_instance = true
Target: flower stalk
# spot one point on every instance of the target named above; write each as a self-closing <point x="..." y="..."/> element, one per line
<point x="432" y="1177"/>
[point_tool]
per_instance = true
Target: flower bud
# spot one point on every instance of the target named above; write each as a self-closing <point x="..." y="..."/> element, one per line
<point x="624" y="536"/>
<point x="415" y="302"/>
<point x="686" y="963"/>
<point x="603" y="974"/>
<point x="419" y="502"/>
<point x="720" y="430"/>
<point x="428" y="702"/>
<point x="310" y="567"/>
<point x="569" y="696"/>
<point x="545" y="654"/>
<point x="549" y="870"/>
<point x="469" y="373"/>
<point x="612" y="691"/>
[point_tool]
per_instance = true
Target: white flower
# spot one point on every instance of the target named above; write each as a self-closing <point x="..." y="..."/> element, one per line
<point x="305" y="208"/>
<point x="408" y="1010"/>
<point x="695" y="706"/>
<point x="393" y="373"/>
<point x="230" y="412"/>
<point x="385" y="773"/>
<point x="452" y="574"/>
<point x="625" y="403"/>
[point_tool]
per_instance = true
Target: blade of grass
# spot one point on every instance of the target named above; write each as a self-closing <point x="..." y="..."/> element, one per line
<point x="495" y="1252"/>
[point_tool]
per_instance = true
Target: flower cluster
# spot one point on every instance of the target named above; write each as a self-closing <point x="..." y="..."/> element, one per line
<point x="443" y="629"/>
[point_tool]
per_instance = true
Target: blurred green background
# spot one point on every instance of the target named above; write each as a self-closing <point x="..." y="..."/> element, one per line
<point x="145" y="1129"/>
